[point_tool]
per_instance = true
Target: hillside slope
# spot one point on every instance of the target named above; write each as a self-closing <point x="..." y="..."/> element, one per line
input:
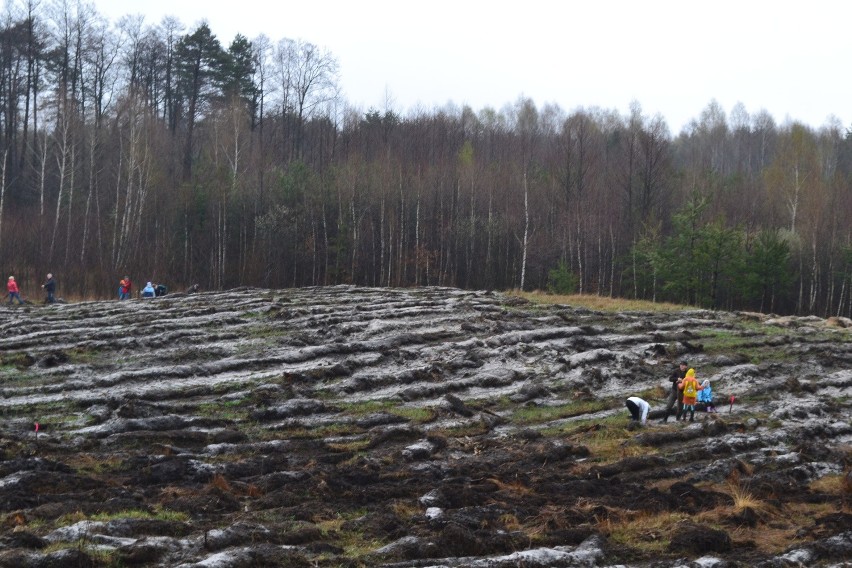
<point x="350" y="426"/>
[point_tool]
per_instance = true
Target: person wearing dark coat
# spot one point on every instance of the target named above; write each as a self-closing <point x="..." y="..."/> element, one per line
<point x="50" y="288"/>
<point x="675" y="394"/>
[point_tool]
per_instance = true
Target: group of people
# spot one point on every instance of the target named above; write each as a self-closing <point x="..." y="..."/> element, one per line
<point x="14" y="293"/>
<point x="685" y="393"/>
<point x="125" y="287"/>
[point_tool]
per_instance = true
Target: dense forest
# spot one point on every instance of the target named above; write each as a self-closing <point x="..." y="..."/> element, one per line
<point x="160" y="152"/>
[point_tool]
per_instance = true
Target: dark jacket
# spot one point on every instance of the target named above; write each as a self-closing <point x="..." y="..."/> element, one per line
<point x="676" y="377"/>
<point x="50" y="285"/>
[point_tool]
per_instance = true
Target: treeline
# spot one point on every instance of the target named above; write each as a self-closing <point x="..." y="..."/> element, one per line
<point x="160" y="152"/>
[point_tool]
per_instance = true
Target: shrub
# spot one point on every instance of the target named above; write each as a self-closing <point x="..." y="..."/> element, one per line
<point x="560" y="280"/>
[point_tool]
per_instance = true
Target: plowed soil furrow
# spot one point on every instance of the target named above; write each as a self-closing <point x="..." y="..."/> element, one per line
<point x="348" y="426"/>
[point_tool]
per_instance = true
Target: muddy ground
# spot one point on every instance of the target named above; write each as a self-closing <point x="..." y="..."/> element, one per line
<point x="354" y="427"/>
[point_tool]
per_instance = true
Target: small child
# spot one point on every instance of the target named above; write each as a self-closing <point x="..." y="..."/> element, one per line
<point x="14" y="293"/>
<point x="690" y="387"/>
<point x="705" y="395"/>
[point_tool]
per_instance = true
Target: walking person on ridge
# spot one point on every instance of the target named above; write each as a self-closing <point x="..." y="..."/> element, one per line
<point x="14" y="293"/>
<point x="50" y="288"/>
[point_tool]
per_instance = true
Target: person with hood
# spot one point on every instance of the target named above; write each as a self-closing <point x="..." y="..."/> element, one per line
<point x="49" y="288"/>
<point x="675" y="395"/>
<point x="705" y="396"/>
<point x="148" y="291"/>
<point x="690" y="387"/>
<point x="638" y="409"/>
<point x="14" y="293"/>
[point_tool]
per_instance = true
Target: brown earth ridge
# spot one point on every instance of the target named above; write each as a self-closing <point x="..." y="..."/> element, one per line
<point x="349" y="426"/>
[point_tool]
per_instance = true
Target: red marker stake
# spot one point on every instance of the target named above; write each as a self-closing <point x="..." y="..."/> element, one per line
<point x="731" y="409"/>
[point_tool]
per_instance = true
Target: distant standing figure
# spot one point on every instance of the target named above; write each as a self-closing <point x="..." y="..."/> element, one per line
<point x="690" y="387"/>
<point x="148" y="291"/>
<point x="12" y="287"/>
<point x="638" y="409"/>
<point x="50" y="288"/>
<point x="675" y="394"/>
<point x="124" y="288"/>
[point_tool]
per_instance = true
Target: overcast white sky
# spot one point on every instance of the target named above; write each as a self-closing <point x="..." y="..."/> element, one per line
<point x="673" y="57"/>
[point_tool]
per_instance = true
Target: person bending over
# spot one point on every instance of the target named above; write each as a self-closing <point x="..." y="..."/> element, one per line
<point x="638" y="409"/>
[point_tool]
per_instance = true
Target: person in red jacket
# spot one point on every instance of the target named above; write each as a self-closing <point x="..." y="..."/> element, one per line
<point x="124" y="288"/>
<point x="12" y="287"/>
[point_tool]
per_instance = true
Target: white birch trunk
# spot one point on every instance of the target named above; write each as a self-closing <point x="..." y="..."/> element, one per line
<point x="61" y="161"/>
<point x="526" y="232"/>
<point x="42" y="175"/>
<point x="88" y="199"/>
<point x="70" y="203"/>
<point x="3" y="194"/>
<point x="417" y="251"/>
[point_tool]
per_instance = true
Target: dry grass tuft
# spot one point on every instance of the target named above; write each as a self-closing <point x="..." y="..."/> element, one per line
<point x="219" y="482"/>
<point x="514" y="487"/>
<point x="549" y="518"/>
<point x="510" y="522"/>
<point x="743" y="499"/>
<point x="405" y="510"/>
<point x="650" y="533"/>
<point x="599" y="303"/>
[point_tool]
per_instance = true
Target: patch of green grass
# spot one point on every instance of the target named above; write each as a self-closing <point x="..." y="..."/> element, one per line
<point x="15" y="360"/>
<point x="528" y="415"/>
<point x="354" y="446"/>
<point x="81" y="356"/>
<point x="158" y="514"/>
<point x="366" y="407"/>
<point x="265" y="332"/>
<point x="17" y="377"/>
<point x="235" y="410"/>
<point x="101" y="556"/>
<point x="744" y="344"/>
<point x="318" y="432"/>
<point x="417" y="414"/>
<point x="355" y="544"/>
<point x="7" y="369"/>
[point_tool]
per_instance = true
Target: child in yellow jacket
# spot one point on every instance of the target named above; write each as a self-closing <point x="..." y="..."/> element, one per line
<point x="690" y="388"/>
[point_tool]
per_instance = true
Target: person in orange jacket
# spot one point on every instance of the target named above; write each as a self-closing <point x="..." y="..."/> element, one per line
<point x="690" y="387"/>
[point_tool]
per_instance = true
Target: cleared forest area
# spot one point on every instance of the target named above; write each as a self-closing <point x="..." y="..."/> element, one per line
<point x="178" y="157"/>
<point x="350" y="426"/>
